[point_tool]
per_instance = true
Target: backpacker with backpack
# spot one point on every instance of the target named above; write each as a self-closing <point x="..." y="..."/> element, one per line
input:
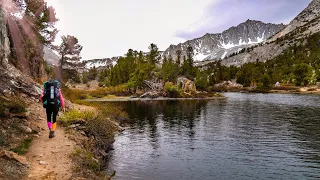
<point x="51" y="94"/>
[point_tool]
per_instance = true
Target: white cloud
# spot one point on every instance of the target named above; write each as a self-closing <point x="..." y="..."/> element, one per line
<point x="109" y="28"/>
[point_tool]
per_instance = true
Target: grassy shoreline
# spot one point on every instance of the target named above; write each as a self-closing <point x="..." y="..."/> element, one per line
<point x="123" y="99"/>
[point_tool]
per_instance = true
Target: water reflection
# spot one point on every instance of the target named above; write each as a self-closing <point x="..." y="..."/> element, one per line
<point x="246" y="136"/>
<point x="174" y="116"/>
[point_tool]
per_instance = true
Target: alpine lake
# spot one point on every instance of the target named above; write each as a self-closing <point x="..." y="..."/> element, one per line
<point x="243" y="136"/>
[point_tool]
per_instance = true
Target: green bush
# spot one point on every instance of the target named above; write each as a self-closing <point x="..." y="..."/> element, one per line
<point x="172" y="90"/>
<point x="72" y="116"/>
<point x="15" y="105"/>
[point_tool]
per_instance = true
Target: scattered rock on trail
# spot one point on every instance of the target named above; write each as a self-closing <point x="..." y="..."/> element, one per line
<point x="42" y="163"/>
<point x="13" y="156"/>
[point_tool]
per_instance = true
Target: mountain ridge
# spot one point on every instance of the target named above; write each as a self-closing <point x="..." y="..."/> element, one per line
<point x="304" y="24"/>
<point x="220" y="45"/>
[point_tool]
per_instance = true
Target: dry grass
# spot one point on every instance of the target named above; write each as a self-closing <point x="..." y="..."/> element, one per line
<point x="87" y="159"/>
<point x="74" y="116"/>
<point x="74" y="94"/>
<point x="120" y="90"/>
<point x="78" y="94"/>
<point x="23" y="148"/>
<point x="286" y="88"/>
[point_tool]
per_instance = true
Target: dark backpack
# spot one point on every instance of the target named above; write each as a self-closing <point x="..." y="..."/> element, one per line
<point x="51" y="93"/>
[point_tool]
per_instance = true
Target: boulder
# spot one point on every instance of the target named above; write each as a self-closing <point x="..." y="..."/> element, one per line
<point x="228" y="84"/>
<point x="26" y="129"/>
<point x="186" y="85"/>
<point x="13" y="156"/>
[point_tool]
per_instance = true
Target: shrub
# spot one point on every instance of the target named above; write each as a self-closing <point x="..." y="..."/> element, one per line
<point x="172" y="90"/>
<point x="85" y="160"/>
<point x="73" y="94"/>
<point x="103" y="130"/>
<point x="72" y="116"/>
<point x="87" y="166"/>
<point x="15" y="105"/>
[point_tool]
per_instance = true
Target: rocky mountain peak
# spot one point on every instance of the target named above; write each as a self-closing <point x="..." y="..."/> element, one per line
<point x="303" y="25"/>
<point x="220" y="45"/>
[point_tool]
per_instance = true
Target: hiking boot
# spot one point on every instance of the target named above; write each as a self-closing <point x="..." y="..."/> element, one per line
<point x="51" y="134"/>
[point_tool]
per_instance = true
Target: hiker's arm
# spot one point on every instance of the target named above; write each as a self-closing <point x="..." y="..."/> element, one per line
<point x="42" y="94"/>
<point x="61" y="98"/>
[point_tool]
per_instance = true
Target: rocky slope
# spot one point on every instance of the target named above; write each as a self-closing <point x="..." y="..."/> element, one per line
<point x="50" y="56"/>
<point x="308" y="14"/>
<point x="4" y="41"/>
<point x="306" y="23"/>
<point x="218" y="46"/>
<point x="11" y="79"/>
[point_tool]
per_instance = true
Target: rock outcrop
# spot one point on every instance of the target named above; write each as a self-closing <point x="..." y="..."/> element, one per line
<point x="11" y="79"/>
<point x="13" y="156"/>
<point x="186" y="85"/>
<point x="4" y="41"/>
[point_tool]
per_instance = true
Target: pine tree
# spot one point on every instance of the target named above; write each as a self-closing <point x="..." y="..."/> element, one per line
<point x="178" y="52"/>
<point x="154" y="55"/>
<point x="44" y="19"/>
<point x="69" y="51"/>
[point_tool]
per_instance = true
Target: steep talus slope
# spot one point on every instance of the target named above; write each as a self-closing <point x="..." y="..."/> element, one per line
<point x="305" y="24"/>
<point x="218" y="46"/>
<point x="308" y="14"/>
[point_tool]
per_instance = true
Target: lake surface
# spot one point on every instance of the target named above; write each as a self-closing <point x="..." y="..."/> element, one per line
<point x="245" y="136"/>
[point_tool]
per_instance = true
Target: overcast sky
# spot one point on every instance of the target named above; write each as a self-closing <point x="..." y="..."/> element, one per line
<point x="109" y="28"/>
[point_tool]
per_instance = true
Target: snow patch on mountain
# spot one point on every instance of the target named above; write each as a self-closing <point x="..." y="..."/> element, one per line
<point x="224" y="55"/>
<point x="200" y="56"/>
<point x="218" y="46"/>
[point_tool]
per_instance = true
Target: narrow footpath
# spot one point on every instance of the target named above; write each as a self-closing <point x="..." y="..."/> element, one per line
<point x="49" y="158"/>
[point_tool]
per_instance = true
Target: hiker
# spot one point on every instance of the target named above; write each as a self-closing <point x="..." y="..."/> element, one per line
<point x="52" y="100"/>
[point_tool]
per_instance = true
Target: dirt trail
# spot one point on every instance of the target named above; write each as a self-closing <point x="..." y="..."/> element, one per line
<point x="49" y="158"/>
